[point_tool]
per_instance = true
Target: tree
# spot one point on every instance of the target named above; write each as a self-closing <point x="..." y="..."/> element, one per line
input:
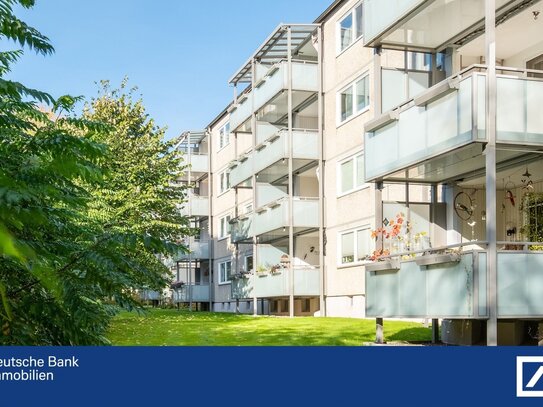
<point x="73" y="244"/>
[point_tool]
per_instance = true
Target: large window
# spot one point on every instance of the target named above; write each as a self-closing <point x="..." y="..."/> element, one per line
<point x="224" y="181"/>
<point x="224" y="136"/>
<point x="354" y="99"/>
<point x="351" y="174"/>
<point x="355" y="246"/>
<point x="225" y="271"/>
<point x="225" y="226"/>
<point x="350" y="28"/>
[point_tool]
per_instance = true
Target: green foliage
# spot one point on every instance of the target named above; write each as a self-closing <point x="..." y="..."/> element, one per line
<point x="81" y="222"/>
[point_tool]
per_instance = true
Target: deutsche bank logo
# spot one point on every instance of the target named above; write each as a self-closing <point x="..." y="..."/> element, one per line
<point x="529" y="376"/>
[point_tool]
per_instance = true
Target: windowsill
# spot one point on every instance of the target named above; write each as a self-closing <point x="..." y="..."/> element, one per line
<point x="220" y="239"/>
<point x="365" y="110"/>
<point x="352" y="191"/>
<point x="349" y="47"/>
<point x="225" y="283"/>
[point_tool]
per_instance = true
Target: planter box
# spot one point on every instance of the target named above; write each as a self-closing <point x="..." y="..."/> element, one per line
<point x="384" y="265"/>
<point x="437" y="259"/>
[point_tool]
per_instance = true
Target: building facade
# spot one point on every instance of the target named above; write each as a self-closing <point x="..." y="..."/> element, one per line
<point x="373" y="164"/>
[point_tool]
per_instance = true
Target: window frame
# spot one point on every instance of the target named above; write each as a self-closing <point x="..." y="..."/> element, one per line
<point x="227" y="227"/>
<point x="224" y="188"/>
<point x="220" y="279"/>
<point x="355" y="232"/>
<point x="356" y="188"/>
<point x="354" y="29"/>
<point x="356" y="112"/>
<point x="224" y="137"/>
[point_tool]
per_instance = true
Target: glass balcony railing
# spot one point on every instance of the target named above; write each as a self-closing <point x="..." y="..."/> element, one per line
<point x="242" y="287"/>
<point x="194" y="293"/>
<point x="306" y="283"/>
<point x="305" y="77"/>
<point x="452" y="114"/>
<point x="199" y="162"/>
<point x="305" y="146"/>
<point x="276" y="215"/>
<point x="454" y="286"/>
<point x="242" y="111"/>
<point x="199" y="249"/>
<point x="242" y="228"/>
<point x="196" y="206"/>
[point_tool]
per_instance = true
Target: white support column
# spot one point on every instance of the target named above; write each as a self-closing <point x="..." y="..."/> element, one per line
<point x="290" y="176"/>
<point x="322" y="203"/>
<point x="377" y="107"/>
<point x="253" y="180"/>
<point x="210" y="217"/>
<point x="490" y="157"/>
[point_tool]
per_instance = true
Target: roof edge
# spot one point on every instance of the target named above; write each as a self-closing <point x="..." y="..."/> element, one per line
<point x="324" y="16"/>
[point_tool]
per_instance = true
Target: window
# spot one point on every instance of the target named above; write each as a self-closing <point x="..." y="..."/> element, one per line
<point x="355" y="246"/>
<point x="351" y="174"/>
<point x="225" y="226"/>
<point x="224" y="181"/>
<point x="225" y="270"/>
<point x="354" y="99"/>
<point x="350" y="28"/>
<point x="248" y="263"/>
<point x="224" y="136"/>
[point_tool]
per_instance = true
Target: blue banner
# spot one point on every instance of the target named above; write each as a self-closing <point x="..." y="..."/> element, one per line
<point x="190" y="376"/>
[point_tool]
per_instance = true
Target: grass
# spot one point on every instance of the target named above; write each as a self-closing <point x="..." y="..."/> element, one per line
<point x="180" y="328"/>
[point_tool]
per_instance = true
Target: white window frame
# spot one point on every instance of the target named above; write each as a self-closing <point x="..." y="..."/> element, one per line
<point x="221" y="264"/>
<point x="224" y="182"/>
<point x="354" y="38"/>
<point x="224" y="136"/>
<point x="225" y="220"/>
<point x="340" y="121"/>
<point x="354" y="231"/>
<point x="355" y="188"/>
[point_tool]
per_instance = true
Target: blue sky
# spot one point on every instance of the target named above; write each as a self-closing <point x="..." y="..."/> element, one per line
<point x="179" y="53"/>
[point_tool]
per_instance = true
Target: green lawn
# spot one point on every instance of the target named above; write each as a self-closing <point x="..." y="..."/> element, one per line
<point x="181" y="328"/>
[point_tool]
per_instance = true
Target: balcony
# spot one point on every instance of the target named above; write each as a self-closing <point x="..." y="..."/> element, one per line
<point x="439" y="134"/>
<point x="269" y="158"/>
<point x="242" y="229"/>
<point x="306" y="283"/>
<point x="305" y="79"/>
<point x="456" y="288"/>
<point x="199" y="250"/>
<point x="148" y="295"/>
<point x="428" y="24"/>
<point x="194" y="293"/>
<point x="272" y="220"/>
<point x="242" y="287"/>
<point x="199" y="163"/>
<point x="197" y="206"/>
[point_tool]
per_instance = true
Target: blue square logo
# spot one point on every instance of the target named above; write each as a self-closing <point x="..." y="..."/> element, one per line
<point x="529" y="376"/>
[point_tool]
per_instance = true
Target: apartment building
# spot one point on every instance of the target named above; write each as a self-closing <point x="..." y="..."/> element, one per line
<point x="475" y="139"/>
<point x="380" y="116"/>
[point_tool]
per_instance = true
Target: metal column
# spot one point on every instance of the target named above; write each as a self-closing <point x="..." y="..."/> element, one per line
<point x="290" y="177"/>
<point x="322" y="203"/>
<point x="490" y="159"/>
<point x="255" y="238"/>
<point x="377" y="107"/>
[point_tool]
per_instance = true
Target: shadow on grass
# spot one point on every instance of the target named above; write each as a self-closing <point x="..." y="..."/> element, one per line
<point x="415" y="335"/>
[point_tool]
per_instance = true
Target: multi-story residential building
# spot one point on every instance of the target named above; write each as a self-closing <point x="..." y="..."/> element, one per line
<point x="376" y="133"/>
<point x="475" y="138"/>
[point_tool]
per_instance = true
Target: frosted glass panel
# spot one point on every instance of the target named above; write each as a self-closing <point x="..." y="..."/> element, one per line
<point x="534" y="103"/>
<point x="418" y="83"/>
<point x="393" y="89"/>
<point x="442" y="119"/>
<point x="510" y="108"/>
